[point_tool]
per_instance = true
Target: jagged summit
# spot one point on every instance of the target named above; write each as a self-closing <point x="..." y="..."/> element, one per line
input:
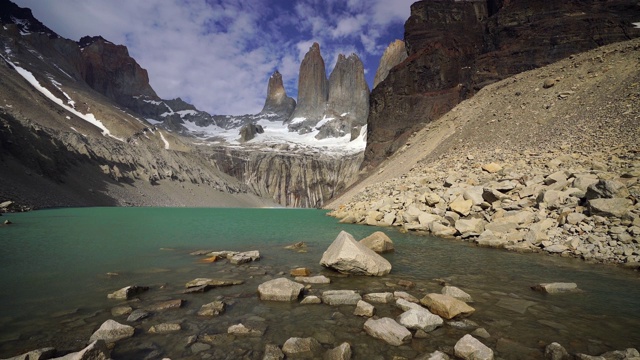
<point x="393" y="55"/>
<point x="22" y="18"/>
<point x="313" y="91"/>
<point x="88" y="40"/>
<point x="277" y="101"/>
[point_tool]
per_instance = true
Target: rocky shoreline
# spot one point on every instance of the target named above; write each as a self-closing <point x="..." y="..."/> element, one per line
<point x="565" y="202"/>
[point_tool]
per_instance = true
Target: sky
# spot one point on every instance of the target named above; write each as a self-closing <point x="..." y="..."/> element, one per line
<point x="219" y="54"/>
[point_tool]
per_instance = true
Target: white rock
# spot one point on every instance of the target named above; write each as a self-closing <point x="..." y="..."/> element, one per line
<point x="311" y="299"/>
<point x="388" y="330"/>
<point x="281" y="289"/>
<point x="346" y="255"/>
<point x="420" y="318"/>
<point x="363" y="308"/>
<point x="469" y="348"/>
<point x="111" y="331"/>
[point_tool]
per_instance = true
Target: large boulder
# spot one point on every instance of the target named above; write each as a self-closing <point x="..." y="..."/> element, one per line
<point x="446" y="306"/>
<point x="281" y="289"/>
<point x="378" y="242"/>
<point x="388" y="330"/>
<point x="111" y="331"/>
<point x="616" y="207"/>
<point x="469" y="348"/>
<point x="348" y="256"/>
<point x="607" y="189"/>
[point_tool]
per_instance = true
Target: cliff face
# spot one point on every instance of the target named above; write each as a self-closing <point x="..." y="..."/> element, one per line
<point x="455" y="48"/>
<point x="290" y="179"/>
<point x="348" y="102"/>
<point x="277" y="102"/>
<point x="393" y="55"/>
<point x="313" y="90"/>
<point x="110" y="70"/>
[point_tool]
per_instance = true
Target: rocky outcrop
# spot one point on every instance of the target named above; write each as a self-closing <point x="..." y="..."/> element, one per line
<point x="348" y="256"/>
<point x="278" y="104"/>
<point x="313" y="91"/>
<point x="457" y="47"/>
<point x="249" y="131"/>
<point x="110" y="70"/>
<point x="393" y="55"/>
<point x="348" y="103"/>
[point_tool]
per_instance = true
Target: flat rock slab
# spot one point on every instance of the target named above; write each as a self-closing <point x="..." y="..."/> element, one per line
<point x="243" y="330"/>
<point x="341" y="297"/>
<point x="517" y="305"/>
<point x="166" y="305"/>
<point x="280" y="289"/>
<point x="380" y="298"/>
<point x="138" y="314"/>
<point x="388" y="330"/>
<point x="211" y="309"/>
<point x="111" y="331"/>
<point x="556" y="288"/>
<point x="446" y="306"/>
<point x="211" y="283"/>
<point x="319" y="279"/>
<point x="164" y="328"/>
<point x="348" y="256"/>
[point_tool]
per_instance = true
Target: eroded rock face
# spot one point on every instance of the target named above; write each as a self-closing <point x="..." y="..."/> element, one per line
<point x="393" y="55"/>
<point x="457" y="47"/>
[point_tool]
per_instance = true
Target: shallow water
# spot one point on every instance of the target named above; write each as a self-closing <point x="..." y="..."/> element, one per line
<point x="53" y="285"/>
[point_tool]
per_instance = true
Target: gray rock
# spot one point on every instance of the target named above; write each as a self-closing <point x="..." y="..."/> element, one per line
<point x="111" y="331"/>
<point x="616" y="207"/>
<point x="405" y="305"/>
<point x="388" y="330"/>
<point x="607" y="189"/>
<point x="481" y="332"/>
<point x="121" y="310"/>
<point x="211" y="309"/>
<point x="319" y="279"/>
<point x="583" y="181"/>
<point x="96" y="350"/>
<point x="272" y="352"/>
<point x="281" y="289"/>
<point x="456" y="293"/>
<point x="341" y="352"/>
<point x="378" y="242"/>
<point x="138" y="314"/>
<point x="556" y="288"/>
<point x="363" y="308"/>
<point x="420" y="318"/>
<point x="127" y="292"/>
<point x="305" y="348"/>
<point x="469" y="348"/>
<point x="405" y="296"/>
<point x="340" y="297"/>
<point x="380" y="298"/>
<point x="164" y="328"/>
<point x="244" y="257"/>
<point x="346" y="255"/>
<point x="555" y="351"/>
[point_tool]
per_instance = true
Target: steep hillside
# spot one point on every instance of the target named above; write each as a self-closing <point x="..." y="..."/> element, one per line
<point x="524" y="164"/>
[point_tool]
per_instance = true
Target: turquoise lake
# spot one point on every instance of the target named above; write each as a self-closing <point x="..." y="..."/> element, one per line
<point x="54" y="282"/>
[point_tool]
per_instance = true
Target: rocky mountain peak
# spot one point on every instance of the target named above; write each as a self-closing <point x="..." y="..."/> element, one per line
<point x="277" y="101"/>
<point x="12" y="14"/>
<point x="393" y="55"/>
<point x="313" y="90"/>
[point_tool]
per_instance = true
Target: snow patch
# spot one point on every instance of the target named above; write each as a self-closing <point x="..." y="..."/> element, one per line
<point x="636" y="25"/>
<point x="297" y="120"/>
<point x="184" y="113"/>
<point x="322" y="122"/>
<point x="154" y="102"/>
<point x="344" y="114"/>
<point x="90" y="118"/>
<point x="62" y="71"/>
<point x="153" y="121"/>
<point x="166" y="143"/>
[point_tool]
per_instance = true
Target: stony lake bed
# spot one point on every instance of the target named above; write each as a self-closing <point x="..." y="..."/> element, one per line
<point x="58" y="266"/>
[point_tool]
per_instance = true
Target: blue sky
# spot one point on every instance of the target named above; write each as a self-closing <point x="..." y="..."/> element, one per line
<point x="219" y="54"/>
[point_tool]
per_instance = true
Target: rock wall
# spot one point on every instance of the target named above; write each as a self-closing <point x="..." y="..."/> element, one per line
<point x="290" y="179"/>
<point x="313" y="88"/>
<point x="457" y="47"/>
<point x="277" y="101"/>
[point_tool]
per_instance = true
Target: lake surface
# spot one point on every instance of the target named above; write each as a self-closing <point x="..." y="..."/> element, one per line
<point x="54" y="282"/>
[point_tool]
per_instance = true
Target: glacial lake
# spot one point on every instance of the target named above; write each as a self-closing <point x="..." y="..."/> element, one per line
<point x="54" y="286"/>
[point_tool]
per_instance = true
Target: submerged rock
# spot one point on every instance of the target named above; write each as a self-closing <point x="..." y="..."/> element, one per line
<point x="138" y="314"/>
<point x="166" y="305"/>
<point x="305" y="348"/>
<point x="206" y="283"/>
<point x="280" y="289"/>
<point x="243" y="330"/>
<point x="97" y="350"/>
<point x="112" y="331"/>
<point x="272" y="352"/>
<point x="348" y="256"/>
<point x="388" y="330"/>
<point x="164" y="328"/>
<point x="211" y="309"/>
<point x="320" y="279"/>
